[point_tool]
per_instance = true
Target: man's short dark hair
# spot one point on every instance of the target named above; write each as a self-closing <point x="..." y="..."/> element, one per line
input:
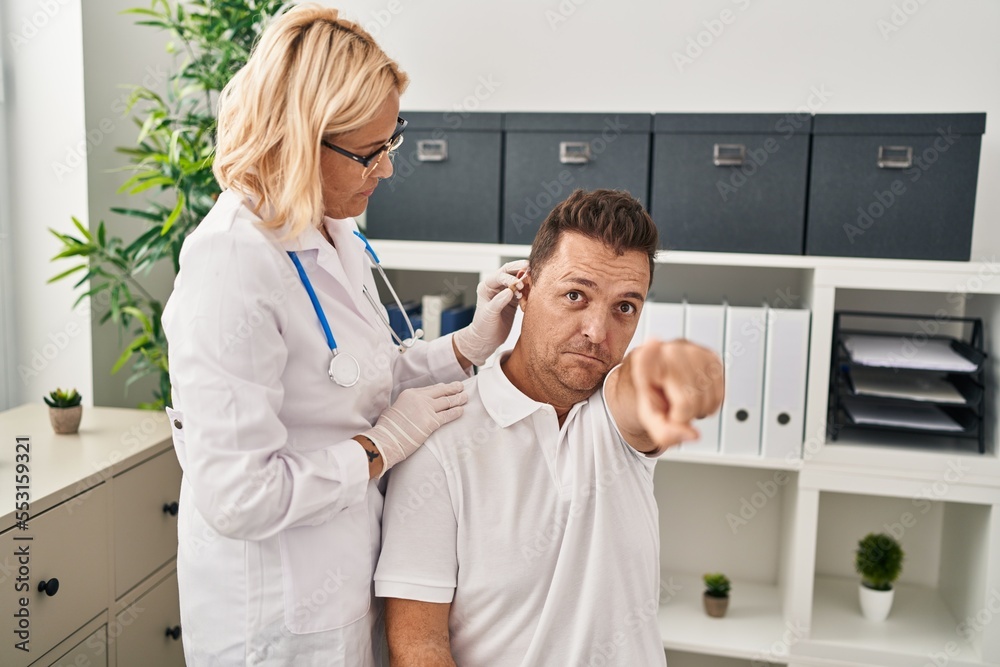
<point x="613" y="217"/>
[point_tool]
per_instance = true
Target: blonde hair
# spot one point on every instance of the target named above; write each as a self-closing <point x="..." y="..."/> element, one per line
<point x="312" y="74"/>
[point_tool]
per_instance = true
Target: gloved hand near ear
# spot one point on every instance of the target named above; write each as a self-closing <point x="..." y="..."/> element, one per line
<point x="495" y="309"/>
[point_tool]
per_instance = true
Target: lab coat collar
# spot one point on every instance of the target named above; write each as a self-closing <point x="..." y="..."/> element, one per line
<point x="346" y="261"/>
<point x="503" y="401"/>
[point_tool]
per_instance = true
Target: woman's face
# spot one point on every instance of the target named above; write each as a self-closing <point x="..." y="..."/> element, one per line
<point x="345" y="193"/>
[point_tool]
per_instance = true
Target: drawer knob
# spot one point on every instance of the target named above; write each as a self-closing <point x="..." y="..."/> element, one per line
<point x="171" y="508"/>
<point x="50" y="587"/>
<point x="174" y="632"/>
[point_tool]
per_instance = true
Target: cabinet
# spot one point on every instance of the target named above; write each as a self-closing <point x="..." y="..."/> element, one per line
<point x="101" y="535"/>
<point x="784" y="530"/>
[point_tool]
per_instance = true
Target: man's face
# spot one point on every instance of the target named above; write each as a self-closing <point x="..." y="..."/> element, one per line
<point x="580" y="313"/>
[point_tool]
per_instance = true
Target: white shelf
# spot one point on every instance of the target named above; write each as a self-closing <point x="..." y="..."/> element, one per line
<point x="919" y="625"/>
<point x="678" y="455"/>
<point x="878" y="453"/>
<point x="752" y="624"/>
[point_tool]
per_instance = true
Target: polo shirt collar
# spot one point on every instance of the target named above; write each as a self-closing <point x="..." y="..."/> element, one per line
<point x="503" y="401"/>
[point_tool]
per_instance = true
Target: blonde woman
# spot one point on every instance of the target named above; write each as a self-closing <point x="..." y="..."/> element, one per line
<point x="290" y="398"/>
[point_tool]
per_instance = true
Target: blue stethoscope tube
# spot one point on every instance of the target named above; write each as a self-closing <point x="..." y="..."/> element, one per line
<point x="344" y="368"/>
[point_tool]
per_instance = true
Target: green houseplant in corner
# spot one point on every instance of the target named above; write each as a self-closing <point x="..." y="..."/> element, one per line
<point x="65" y="410"/>
<point x="172" y="159"/>
<point x="716" y="597"/>
<point x="879" y="561"/>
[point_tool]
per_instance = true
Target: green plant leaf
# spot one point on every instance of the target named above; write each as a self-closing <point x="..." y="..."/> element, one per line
<point x="172" y="218"/>
<point x="136" y="213"/>
<point x="128" y="352"/>
<point x="151" y="183"/>
<point x="83" y="229"/>
<point x="139" y="315"/>
<point x="66" y="273"/>
<point x="75" y="250"/>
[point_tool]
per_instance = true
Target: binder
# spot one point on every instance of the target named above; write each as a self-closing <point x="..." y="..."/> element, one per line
<point x="664" y="321"/>
<point x="455" y="318"/>
<point x="432" y="305"/>
<point x="744" y="372"/>
<point x="705" y="325"/>
<point x="786" y="364"/>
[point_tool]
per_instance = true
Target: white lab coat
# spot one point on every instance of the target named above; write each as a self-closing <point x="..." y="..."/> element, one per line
<point x="279" y="526"/>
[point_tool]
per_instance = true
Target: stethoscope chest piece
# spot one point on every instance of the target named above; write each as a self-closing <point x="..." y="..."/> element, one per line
<point x="344" y="370"/>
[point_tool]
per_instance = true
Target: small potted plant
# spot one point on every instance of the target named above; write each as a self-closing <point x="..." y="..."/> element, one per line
<point x="716" y="597"/>
<point x="879" y="560"/>
<point x="65" y="410"/>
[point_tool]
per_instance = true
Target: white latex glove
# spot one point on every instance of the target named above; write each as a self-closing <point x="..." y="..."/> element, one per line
<point x="417" y="413"/>
<point x="495" y="310"/>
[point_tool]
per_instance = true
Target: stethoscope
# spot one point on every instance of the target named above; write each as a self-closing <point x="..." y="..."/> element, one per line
<point x="344" y="368"/>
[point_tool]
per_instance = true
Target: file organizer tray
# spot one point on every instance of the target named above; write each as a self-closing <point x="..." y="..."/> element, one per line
<point x="970" y="414"/>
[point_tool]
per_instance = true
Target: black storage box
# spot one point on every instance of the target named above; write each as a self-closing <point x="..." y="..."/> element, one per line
<point x="446" y="181"/>
<point x="894" y="185"/>
<point x="549" y="155"/>
<point x="731" y="182"/>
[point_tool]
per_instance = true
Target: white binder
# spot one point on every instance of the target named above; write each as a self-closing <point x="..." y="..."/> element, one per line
<point x="664" y="321"/>
<point x="705" y="326"/>
<point x="786" y="370"/>
<point x="744" y="363"/>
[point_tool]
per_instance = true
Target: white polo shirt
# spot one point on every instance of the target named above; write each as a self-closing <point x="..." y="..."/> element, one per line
<point x="545" y="540"/>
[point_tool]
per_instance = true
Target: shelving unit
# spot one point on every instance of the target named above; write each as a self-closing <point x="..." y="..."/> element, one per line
<point x="794" y="599"/>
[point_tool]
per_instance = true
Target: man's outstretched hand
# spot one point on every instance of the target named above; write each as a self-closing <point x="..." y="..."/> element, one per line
<point x="661" y="388"/>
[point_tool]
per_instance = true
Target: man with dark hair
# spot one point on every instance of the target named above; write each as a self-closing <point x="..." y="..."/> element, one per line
<point x="526" y="532"/>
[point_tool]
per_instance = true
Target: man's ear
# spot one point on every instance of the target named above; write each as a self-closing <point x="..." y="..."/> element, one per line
<point x="525" y="277"/>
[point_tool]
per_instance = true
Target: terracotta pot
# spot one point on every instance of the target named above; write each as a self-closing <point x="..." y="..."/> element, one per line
<point x="875" y="605"/>
<point x="715" y="607"/>
<point x="66" y="420"/>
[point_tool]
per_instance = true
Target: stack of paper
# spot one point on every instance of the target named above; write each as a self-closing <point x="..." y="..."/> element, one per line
<point x="889" y="384"/>
<point x="906" y="352"/>
<point x="916" y="416"/>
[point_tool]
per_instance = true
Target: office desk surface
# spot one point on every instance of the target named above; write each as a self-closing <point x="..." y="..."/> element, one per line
<point x="110" y="441"/>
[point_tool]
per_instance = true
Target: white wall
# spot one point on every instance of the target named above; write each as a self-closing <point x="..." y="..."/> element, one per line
<point x="772" y="56"/>
<point x="44" y="103"/>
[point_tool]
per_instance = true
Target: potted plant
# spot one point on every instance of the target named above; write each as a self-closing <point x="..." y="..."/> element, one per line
<point x="716" y="597"/>
<point x="171" y="159"/>
<point x="65" y="410"/>
<point x="879" y="560"/>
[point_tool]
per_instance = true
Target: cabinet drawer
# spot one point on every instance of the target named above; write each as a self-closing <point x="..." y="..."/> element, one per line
<point x="70" y="546"/>
<point x="145" y="529"/>
<point x="91" y="652"/>
<point x="143" y="626"/>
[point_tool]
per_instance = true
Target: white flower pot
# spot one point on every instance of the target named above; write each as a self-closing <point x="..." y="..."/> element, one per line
<point x="875" y="605"/>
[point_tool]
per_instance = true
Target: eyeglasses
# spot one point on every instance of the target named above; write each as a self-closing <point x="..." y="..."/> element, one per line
<point x="371" y="162"/>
